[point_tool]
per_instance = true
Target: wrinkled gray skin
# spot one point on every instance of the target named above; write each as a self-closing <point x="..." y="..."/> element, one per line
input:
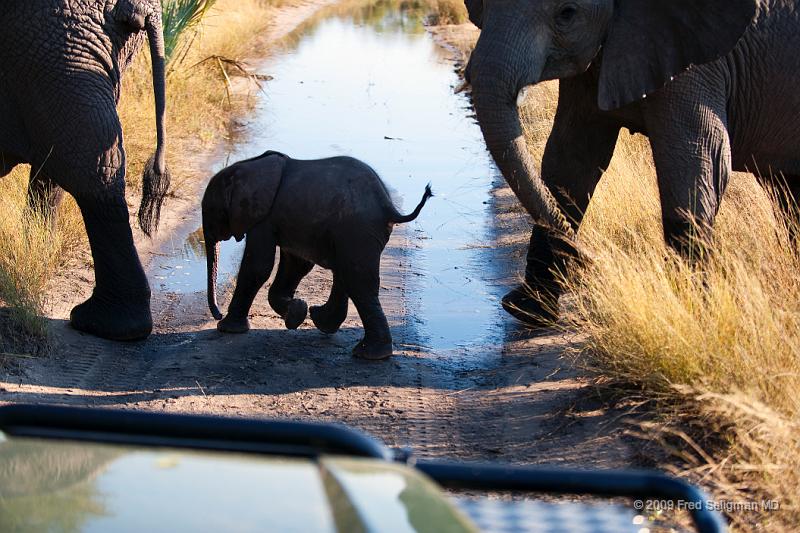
<point x="712" y="83"/>
<point x="335" y="213"/>
<point x="60" y="67"/>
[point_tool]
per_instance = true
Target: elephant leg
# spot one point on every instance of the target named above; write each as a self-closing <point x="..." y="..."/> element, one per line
<point x="291" y="270"/>
<point x="44" y="195"/>
<point x="119" y="308"/>
<point x="256" y="267"/>
<point x="328" y="318"/>
<point x="578" y="151"/>
<point x="692" y="155"/>
<point x="358" y="265"/>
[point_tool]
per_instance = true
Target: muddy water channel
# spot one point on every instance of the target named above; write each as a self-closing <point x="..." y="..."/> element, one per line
<point x="373" y="84"/>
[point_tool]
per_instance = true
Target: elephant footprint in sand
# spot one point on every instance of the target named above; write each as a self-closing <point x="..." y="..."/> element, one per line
<point x="335" y="213"/>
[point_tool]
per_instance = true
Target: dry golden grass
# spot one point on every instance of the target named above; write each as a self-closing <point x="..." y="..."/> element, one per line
<point x="198" y="113"/>
<point x="31" y="250"/>
<point x="716" y="346"/>
<point x="446" y="12"/>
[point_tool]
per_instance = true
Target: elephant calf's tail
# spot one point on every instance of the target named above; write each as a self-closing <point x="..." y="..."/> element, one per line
<point x="400" y="219"/>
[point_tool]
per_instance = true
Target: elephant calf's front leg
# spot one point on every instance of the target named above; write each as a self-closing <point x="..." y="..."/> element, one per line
<point x="257" y="262"/>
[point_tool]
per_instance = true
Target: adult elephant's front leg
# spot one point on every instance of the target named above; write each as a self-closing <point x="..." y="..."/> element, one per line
<point x="119" y="308"/>
<point x="578" y="151"/>
<point x="687" y="124"/>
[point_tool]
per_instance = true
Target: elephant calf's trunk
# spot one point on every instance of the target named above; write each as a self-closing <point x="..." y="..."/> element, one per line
<point x="212" y="259"/>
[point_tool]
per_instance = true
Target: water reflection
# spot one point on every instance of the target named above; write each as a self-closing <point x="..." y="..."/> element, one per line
<point x="50" y="488"/>
<point x="57" y="486"/>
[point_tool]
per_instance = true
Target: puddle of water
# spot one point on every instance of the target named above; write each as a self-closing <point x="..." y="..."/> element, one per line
<point x="379" y="89"/>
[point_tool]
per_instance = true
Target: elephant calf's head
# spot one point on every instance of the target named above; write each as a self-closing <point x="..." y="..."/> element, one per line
<point x="237" y="198"/>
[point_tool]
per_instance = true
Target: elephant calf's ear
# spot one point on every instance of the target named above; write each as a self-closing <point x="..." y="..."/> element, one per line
<point x="650" y="41"/>
<point x="253" y="189"/>
<point x="475" y="11"/>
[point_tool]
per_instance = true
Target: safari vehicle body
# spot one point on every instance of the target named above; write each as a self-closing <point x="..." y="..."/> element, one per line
<point x="65" y="469"/>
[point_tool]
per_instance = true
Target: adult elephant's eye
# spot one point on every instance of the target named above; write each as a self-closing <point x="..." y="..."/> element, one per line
<point x="566" y="14"/>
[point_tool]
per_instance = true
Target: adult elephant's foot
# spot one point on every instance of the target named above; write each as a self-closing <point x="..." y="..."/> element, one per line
<point x="111" y="319"/>
<point x="533" y="310"/>
<point x="373" y="351"/>
<point x="231" y="324"/>
<point x="324" y="320"/>
<point x="295" y="314"/>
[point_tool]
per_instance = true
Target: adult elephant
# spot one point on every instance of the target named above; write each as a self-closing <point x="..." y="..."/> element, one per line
<point x="60" y="68"/>
<point x="712" y="83"/>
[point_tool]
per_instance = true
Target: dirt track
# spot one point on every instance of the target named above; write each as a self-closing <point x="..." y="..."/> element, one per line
<point x="520" y="401"/>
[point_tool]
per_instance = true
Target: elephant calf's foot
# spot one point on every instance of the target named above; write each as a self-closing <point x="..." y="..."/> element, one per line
<point x="529" y="309"/>
<point x="231" y="324"/>
<point x="126" y="320"/>
<point x="323" y="321"/>
<point x="373" y="351"/>
<point x="295" y="314"/>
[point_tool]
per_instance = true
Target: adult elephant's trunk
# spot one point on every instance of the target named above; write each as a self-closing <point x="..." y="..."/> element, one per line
<point x="212" y="259"/>
<point x="156" y="177"/>
<point x="495" y="85"/>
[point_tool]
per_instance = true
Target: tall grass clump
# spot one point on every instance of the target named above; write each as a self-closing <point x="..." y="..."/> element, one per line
<point x="716" y="345"/>
<point x="33" y="248"/>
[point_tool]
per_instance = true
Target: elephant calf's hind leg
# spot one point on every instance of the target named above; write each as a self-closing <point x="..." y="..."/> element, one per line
<point x="361" y="279"/>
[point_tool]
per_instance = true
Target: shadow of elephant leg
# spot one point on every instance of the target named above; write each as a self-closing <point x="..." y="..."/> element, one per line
<point x="291" y="270"/>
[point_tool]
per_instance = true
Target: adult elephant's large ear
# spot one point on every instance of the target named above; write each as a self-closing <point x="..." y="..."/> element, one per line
<point x="475" y="10"/>
<point x="253" y="190"/>
<point x="650" y="41"/>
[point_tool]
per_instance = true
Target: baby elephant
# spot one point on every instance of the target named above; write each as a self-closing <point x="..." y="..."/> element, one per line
<point x="334" y="212"/>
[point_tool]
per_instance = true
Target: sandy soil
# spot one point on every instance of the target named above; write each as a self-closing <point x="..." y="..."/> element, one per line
<point x="521" y="402"/>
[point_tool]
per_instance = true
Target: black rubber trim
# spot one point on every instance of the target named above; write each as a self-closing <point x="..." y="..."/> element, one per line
<point x="632" y="484"/>
<point x="137" y="428"/>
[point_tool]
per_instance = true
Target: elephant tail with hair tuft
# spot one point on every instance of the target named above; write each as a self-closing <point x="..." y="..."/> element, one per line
<point x="156" y="176"/>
